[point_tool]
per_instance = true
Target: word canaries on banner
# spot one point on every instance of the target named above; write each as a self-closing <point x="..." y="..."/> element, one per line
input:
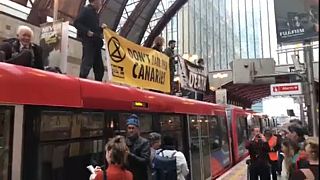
<point x="134" y="65"/>
<point x="192" y="76"/>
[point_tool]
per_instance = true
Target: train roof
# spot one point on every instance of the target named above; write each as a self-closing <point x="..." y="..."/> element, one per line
<point x="23" y="85"/>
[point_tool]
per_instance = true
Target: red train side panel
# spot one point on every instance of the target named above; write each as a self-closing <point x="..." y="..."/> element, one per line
<point x="23" y="85"/>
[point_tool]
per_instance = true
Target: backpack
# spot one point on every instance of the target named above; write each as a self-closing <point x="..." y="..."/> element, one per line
<point x="164" y="167"/>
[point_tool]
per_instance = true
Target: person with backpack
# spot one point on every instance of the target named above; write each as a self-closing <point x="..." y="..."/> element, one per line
<point x="116" y="156"/>
<point x="169" y="163"/>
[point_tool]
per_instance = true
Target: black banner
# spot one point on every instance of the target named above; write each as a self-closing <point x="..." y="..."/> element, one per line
<point x="192" y="77"/>
<point x="297" y="20"/>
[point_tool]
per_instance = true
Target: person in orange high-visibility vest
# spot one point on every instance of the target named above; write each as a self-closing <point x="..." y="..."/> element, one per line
<point x="273" y="153"/>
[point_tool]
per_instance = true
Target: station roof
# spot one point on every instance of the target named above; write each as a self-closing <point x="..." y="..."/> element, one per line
<point x="137" y="20"/>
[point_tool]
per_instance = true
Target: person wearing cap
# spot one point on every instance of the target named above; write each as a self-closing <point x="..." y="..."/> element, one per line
<point x="139" y="155"/>
<point x="155" y="143"/>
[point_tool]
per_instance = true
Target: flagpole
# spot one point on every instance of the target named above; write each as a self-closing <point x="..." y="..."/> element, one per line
<point x="55" y="10"/>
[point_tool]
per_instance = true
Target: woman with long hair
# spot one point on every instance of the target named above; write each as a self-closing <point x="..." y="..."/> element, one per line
<point x="116" y="156"/>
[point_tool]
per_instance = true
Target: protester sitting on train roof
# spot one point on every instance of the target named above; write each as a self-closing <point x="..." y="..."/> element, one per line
<point x="21" y="51"/>
<point x="139" y="155"/>
<point x="311" y="170"/>
<point x="116" y="155"/>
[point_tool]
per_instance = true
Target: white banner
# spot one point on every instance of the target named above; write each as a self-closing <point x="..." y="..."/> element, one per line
<point x="192" y="77"/>
<point x="54" y="44"/>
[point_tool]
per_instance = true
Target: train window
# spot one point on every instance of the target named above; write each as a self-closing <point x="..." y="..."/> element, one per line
<point x="171" y="125"/>
<point x="55" y="125"/>
<point x="219" y="143"/>
<point x="64" y="125"/>
<point x="68" y="160"/>
<point x="92" y="124"/>
<point x="69" y="142"/>
<point x="242" y="133"/>
<point x="5" y="135"/>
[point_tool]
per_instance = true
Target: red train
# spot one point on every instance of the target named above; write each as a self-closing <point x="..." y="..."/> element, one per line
<point x="52" y="124"/>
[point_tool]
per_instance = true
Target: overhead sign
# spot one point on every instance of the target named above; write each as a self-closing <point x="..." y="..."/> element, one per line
<point x="192" y="76"/>
<point x="296" y="20"/>
<point x="286" y="89"/>
<point x="134" y="65"/>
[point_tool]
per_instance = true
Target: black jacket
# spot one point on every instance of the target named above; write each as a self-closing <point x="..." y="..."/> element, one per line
<point x="88" y="20"/>
<point x="11" y="48"/>
<point x="139" y="158"/>
<point x="258" y="151"/>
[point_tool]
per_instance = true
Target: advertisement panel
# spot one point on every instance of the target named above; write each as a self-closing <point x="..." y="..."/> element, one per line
<point x="134" y="65"/>
<point x="296" y="20"/>
<point x="54" y="44"/>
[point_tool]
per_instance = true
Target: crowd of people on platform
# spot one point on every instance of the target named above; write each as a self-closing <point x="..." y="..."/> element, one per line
<point x="288" y="152"/>
<point x="136" y="158"/>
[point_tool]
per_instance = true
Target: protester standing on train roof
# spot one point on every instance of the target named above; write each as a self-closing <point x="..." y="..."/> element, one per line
<point x="90" y="33"/>
<point x="169" y="51"/>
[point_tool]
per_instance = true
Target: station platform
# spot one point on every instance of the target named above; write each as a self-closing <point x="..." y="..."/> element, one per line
<point x="239" y="172"/>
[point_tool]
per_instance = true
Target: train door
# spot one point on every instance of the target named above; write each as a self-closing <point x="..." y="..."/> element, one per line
<point x="199" y="147"/>
<point x="219" y="145"/>
<point x="6" y="114"/>
<point x="11" y="120"/>
<point x="240" y="134"/>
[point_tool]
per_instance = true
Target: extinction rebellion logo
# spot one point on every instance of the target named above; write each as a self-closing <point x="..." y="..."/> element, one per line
<point x="116" y="52"/>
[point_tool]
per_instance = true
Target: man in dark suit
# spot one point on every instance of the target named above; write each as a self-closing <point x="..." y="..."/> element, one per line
<point x="21" y="51"/>
<point x="90" y="33"/>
